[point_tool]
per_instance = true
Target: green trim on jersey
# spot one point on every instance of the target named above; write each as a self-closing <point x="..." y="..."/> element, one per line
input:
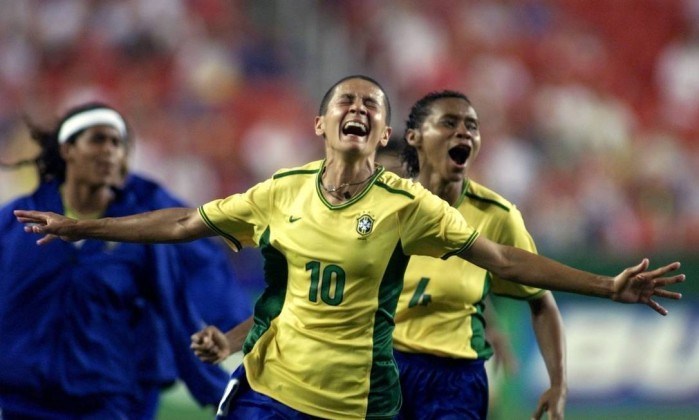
<point x="295" y="172"/>
<point x="218" y="231"/>
<point x="467" y="193"/>
<point x="384" y="372"/>
<point x="394" y="191"/>
<point x="464" y="247"/>
<point x="478" y="342"/>
<point x="270" y="303"/>
<point x="487" y="200"/>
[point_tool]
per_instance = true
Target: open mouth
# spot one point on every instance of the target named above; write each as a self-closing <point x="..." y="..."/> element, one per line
<point x="460" y="154"/>
<point x="355" y="128"/>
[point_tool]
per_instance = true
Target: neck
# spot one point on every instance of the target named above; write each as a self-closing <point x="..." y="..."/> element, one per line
<point x="449" y="191"/>
<point x="339" y="171"/>
<point x="341" y="181"/>
<point x="86" y="199"/>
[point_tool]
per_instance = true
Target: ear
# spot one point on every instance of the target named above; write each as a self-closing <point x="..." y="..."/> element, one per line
<point x="319" y="125"/>
<point x="64" y="150"/>
<point x="385" y="136"/>
<point x="413" y="137"/>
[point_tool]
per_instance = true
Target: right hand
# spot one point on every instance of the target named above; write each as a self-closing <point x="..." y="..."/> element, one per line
<point x="210" y="345"/>
<point x="51" y="225"/>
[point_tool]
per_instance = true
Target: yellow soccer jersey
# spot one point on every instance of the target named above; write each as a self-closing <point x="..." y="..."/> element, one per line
<point x="321" y="341"/>
<point x="440" y="310"/>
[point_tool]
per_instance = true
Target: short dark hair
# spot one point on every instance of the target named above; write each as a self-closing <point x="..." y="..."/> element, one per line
<point x="328" y="95"/>
<point x="420" y="110"/>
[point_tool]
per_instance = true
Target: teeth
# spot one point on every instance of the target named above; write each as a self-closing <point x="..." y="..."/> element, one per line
<point x="355" y="124"/>
<point x="356" y="128"/>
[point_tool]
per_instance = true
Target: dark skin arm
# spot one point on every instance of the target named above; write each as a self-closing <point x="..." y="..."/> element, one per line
<point x="160" y="226"/>
<point x="633" y="285"/>
<point x="548" y="328"/>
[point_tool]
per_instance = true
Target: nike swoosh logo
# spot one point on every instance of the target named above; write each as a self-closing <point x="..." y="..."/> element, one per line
<point x="292" y="219"/>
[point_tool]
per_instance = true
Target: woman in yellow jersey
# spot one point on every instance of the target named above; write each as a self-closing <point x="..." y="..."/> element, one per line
<point x="336" y="235"/>
<point x="439" y="338"/>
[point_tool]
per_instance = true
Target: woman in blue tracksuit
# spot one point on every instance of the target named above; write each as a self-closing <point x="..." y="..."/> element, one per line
<point x="95" y="329"/>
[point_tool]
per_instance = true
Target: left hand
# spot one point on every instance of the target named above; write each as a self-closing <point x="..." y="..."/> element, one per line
<point x="636" y="285"/>
<point x="503" y="355"/>
<point x="210" y="345"/>
<point x="552" y="402"/>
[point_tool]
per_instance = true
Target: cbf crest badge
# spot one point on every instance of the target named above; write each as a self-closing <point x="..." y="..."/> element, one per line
<point x="365" y="224"/>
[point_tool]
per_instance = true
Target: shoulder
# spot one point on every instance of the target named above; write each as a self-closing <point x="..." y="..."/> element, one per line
<point x="300" y="172"/>
<point x="400" y="187"/>
<point x="39" y="199"/>
<point x="45" y="194"/>
<point x="487" y="197"/>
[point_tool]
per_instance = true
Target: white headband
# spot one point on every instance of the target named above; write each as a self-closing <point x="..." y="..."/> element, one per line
<point x="90" y="118"/>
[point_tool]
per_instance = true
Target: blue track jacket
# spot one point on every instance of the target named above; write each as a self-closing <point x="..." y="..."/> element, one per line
<point x="83" y="321"/>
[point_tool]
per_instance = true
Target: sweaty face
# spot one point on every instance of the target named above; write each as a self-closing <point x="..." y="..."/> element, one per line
<point x="355" y="121"/>
<point x="96" y="157"/>
<point x="449" y="138"/>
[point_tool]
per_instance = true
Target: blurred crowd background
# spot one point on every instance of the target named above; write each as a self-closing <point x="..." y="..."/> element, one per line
<point x="589" y="108"/>
<point x="589" y="112"/>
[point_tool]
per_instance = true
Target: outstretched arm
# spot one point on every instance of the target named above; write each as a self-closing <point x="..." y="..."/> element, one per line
<point x="548" y="327"/>
<point x="213" y="346"/>
<point x="166" y="225"/>
<point x="633" y="285"/>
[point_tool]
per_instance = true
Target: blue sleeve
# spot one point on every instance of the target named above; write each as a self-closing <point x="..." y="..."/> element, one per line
<point x="212" y="283"/>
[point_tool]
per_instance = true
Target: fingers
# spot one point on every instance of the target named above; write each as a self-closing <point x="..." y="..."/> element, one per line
<point x="25" y="213"/>
<point x="46" y="239"/>
<point x="638" y="269"/>
<point x="26" y="220"/>
<point x="665" y="281"/>
<point x="205" y="347"/>
<point x="30" y="216"/>
<point x="667" y="294"/>
<point x="661" y="271"/>
<point x="206" y="353"/>
<point x="656" y="307"/>
<point x="202" y="339"/>
<point x="540" y="408"/>
<point x="220" y="340"/>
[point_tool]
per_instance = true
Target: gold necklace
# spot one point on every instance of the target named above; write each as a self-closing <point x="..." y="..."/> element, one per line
<point x="346" y="195"/>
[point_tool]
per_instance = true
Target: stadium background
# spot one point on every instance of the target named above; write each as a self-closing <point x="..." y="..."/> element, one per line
<point x="590" y="124"/>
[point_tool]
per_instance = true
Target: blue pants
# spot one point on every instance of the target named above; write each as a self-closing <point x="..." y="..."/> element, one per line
<point x="242" y="402"/>
<point x="442" y="388"/>
<point x="53" y="406"/>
